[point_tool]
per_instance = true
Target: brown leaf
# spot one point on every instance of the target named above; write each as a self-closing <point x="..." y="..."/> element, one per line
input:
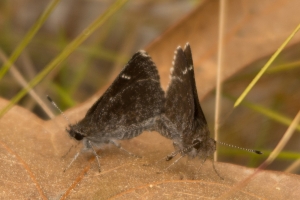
<point x="32" y="167"/>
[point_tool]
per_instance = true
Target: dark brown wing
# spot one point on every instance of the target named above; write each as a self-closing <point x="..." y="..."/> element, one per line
<point x="184" y="121"/>
<point x="179" y="106"/>
<point x="129" y="105"/>
<point x="198" y="113"/>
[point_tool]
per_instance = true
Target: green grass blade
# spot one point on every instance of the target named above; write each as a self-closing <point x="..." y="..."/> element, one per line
<point x="285" y="67"/>
<point x="64" y="96"/>
<point x="262" y="71"/>
<point x="271" y="114"/>
<point x="67" y="51"/>
<point x="5" y="67"/>
<point x="267" y="112"/>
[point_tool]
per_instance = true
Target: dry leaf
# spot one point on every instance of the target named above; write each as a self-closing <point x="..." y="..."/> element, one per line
<point x="32" y="167"/>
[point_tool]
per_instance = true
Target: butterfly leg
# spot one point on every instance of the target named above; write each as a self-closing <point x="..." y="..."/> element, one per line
<point x="201" y="164"/>
<point x="120" y="147"/>
<point x="173" y="154"/>
<point x="70" y="150"/>
<point x="96" y="155"/>
<point x="75" y="157"/>
<point x="213" y="164"/>
<point x="203" y="161"/>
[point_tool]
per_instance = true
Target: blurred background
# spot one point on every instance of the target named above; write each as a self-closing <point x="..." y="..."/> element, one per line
<point x="91" y="65"/>
<point x="259" y="123"/>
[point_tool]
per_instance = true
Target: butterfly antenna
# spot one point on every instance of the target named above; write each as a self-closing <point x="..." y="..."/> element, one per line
<point x="213" y="164"/>
<point x="183" y="151"/>
<point x="245" y="149"/>
<point x="54" y="104"/>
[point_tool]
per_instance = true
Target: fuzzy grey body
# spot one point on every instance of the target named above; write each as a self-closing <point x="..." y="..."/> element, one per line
<point x="129" y="106"/>
<point x="183" y="120"/>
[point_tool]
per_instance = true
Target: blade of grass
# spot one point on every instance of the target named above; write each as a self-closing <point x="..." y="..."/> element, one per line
<point x="267" y="112"/>
<point x="272" y="70"/>
<point x="65" y="97"/>
<point x="65" y="53"/>
<point x="21" y="80"/>
<point x="285" y="67"/>
<point x="286" y="137"/>
<point x="5" y="67"/>
<point x="93" y="52"/>
<point x="262" y="71"/>
<point x="293" y="167"/>
<point x="99" y="52"/>
<point x="270" y="113"/>
<point x="219" y="71"/>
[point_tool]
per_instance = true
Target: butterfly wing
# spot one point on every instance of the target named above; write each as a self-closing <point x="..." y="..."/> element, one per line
<point x="129" y="106"/>
<point x="184" y="121"/>
<point x="179" y="107"/>
<point x="198" y="113"/>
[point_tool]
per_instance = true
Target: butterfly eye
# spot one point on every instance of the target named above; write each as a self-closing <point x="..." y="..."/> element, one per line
<point x="197" y="144"/>
<point x="78" y="136"/>
<point x="75" y="134"/>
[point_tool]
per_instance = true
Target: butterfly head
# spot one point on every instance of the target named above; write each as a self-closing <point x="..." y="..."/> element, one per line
<point x="201" y="147"/>
<point x="204" y="148"/>
<point x="200" y="144"/>
<point x="74" y="132"/>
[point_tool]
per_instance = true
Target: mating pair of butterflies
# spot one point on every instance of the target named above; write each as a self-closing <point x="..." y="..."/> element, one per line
<point x="135" y="102"/>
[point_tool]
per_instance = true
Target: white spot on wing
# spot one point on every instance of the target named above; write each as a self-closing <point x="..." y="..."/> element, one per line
<point x="185" y="71"/>
<point x="173" y="62"/>
<point x="144" y="53"/>
<point x="125" y="76"/>
<point x="176" y="78"/>
<point x="175" y="54"/>
<point x="186" y="45"/>
<point x="191" y="67"/>
<point x="171" y="70"/>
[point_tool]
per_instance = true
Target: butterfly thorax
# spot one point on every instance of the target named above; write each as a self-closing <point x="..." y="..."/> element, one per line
<point x="166" y="128"/>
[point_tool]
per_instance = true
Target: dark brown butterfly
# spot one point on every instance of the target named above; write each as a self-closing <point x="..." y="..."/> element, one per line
<point x="183" y="120"/>
<point x="129" y="106"/>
